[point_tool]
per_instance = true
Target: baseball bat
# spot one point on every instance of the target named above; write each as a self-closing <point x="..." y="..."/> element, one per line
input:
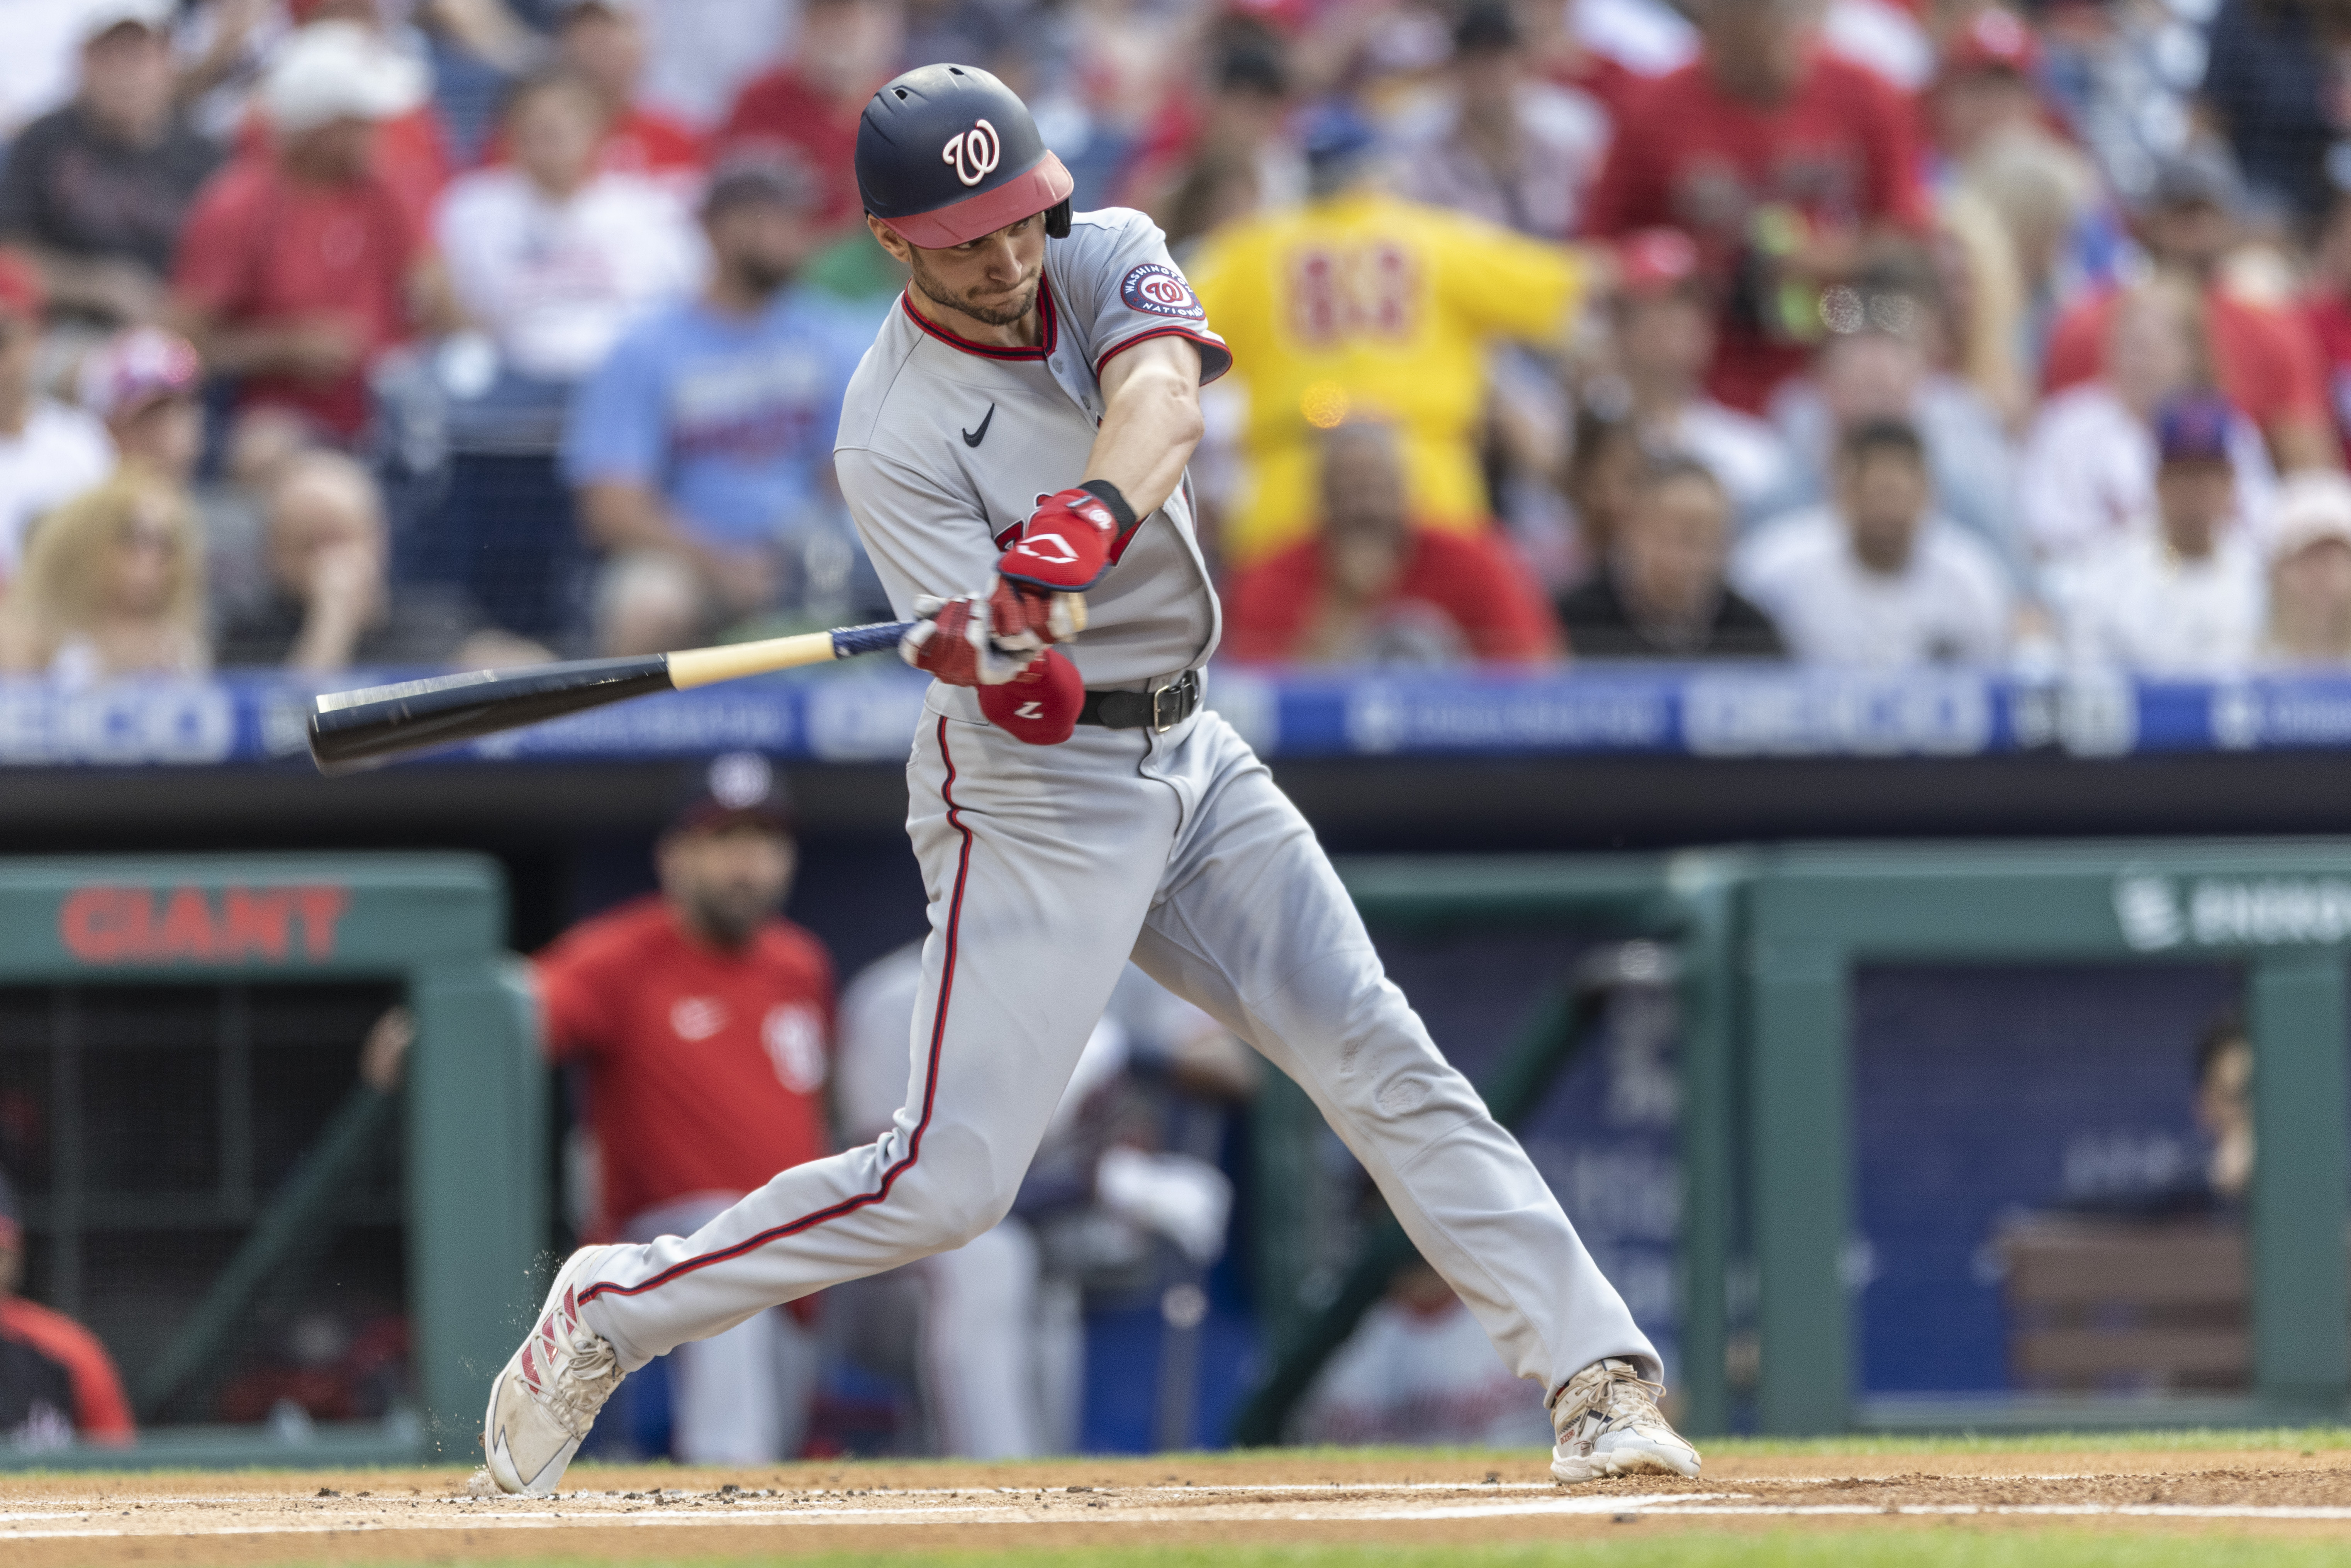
<point x="351" y="730"/>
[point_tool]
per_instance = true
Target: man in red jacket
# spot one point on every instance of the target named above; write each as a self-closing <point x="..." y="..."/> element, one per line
<point x="811" y="104"/>
<point x="57" y="1385"/>
<point x="1781" y="160"/>
<point x="704" y="1021"/>
<point x="1370" y="588"/>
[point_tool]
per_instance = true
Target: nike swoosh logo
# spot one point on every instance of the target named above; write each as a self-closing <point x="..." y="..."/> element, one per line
<point x="974" y="437"/>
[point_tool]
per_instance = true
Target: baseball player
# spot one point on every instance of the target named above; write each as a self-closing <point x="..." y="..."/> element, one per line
<point x="1018" y="433"/>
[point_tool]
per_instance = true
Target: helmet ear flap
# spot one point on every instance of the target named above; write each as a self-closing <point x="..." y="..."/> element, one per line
<point x="1057" y="220"/>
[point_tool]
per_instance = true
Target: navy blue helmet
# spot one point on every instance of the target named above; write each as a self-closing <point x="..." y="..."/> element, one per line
<point x="947" y="154"/>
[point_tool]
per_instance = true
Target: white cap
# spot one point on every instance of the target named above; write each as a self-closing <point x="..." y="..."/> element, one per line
<point x="100" y="17"/>
<point x="2311" y="505"/>
<point x="338" y="70"/>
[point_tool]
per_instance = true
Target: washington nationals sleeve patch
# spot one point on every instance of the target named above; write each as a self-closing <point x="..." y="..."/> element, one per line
<point x="1157" y="289"/>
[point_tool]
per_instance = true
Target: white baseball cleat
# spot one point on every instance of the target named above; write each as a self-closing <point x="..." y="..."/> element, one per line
<point x="1609" y="1425"/>
<point x="543" y="1403"/>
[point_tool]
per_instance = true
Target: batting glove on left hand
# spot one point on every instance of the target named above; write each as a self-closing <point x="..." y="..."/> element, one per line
<point x="953" y="642"/>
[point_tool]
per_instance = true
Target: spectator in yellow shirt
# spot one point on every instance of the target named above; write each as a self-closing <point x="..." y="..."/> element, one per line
<point x="1360" y="303"/>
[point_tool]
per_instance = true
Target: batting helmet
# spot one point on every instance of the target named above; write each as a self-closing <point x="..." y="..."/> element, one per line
<point x="947" y="154"/>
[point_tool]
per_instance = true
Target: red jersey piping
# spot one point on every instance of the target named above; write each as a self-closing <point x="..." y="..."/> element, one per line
<point x="1051" y="335"/>
<point x="930" y="1087"/>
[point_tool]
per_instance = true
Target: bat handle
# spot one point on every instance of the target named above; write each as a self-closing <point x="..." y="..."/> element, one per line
<point x="850" y="641"/>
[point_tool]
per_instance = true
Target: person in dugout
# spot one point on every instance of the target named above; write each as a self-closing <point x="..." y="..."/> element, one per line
<point x="57" y="1385"/>
<point x="702" y="1020"/>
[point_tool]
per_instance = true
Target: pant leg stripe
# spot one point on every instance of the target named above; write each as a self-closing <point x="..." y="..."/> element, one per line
<point x="930" y="1085"/>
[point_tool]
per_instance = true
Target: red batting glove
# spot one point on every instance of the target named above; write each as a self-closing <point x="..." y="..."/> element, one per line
<point x="1024" y="619"/>
<point x="953" y="642"/>
<point x="1065" y="545"/>
<point x="1041" y="706"/>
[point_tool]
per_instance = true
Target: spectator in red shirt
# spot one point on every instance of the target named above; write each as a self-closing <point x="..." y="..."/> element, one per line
<point x="301" y="264"/>
<point x="811" y="104"/>
<point x="1370" y="588"/>
<point x="704" y="1022"/>
<point x="2328" y="311"/>
<point x="1781" y="160"/>
<point x="57" y="1385"/>
<point x="602" y="42"/>
<point x="2265" y="361"/>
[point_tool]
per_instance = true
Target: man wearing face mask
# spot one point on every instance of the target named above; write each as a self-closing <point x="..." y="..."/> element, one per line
<point x="701" y="450"/>
<point x="702" y="1020"/>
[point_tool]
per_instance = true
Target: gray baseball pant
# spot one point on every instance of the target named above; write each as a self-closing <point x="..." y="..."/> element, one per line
<point x="1046" y="867"/>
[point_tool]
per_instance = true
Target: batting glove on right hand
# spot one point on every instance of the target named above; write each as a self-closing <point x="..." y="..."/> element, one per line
<point x="953" y="642"/>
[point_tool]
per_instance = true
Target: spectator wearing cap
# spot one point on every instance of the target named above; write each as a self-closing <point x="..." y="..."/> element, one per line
<point x="301" y="264"/>
<point x="95" y="192"/>
<point x="2182" y="598"/>
<point x="147" y="384"/>
<point x="1212" y="157"/>
<point x="2310" y="574"/>
<point x="701" y="452"/>
<point x="330" y="605"/>
<point x="1361" y="303"/>
<point x="1781" y="160"/>
<point x="1661" y="593"/>
<point x="1372" y="589"/>
<point x="1663" y="332"/>
<point x="552" y="254"/>
<point x="2087" y="474"/>
<point x="809" y="106"/>
<point x="2263" y="360"/>
<point x="58" y="1384"/>
<point x="113" y="584"/>
<point x="1503" y="144"/>
<point x="700" y="1021"/>
<point x="1984" y="89"/>
<point x="1877" y="579"/>
<point x="49" y="451"/>
<point x="602" y="42"/>
<point x="1887" y="356"/>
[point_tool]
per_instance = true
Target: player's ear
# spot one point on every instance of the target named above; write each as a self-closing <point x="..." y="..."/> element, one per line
<point x="891" y="240"/>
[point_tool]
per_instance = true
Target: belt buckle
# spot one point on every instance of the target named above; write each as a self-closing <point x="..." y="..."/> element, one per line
<point x="1167" y="705"/>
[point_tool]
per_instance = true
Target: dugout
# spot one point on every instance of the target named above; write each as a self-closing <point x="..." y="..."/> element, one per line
<point x="198" y="1158"/>
<point x="1826" y="932"/>
<point x="1511" y="962"/>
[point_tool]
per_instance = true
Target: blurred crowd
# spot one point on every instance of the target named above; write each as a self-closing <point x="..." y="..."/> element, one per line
<point x="1862" y="332"/>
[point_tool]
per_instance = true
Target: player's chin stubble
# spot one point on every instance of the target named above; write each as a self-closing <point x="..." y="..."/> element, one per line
<point x="1010" y="314"/>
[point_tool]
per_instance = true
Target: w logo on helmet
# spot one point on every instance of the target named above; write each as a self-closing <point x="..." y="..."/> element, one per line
<point x="975" y="153"/>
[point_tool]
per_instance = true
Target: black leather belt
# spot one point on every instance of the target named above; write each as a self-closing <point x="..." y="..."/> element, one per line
<point x="1157" y="712"/>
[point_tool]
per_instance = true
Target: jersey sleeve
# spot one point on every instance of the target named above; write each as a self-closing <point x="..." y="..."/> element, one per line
<point x="574" y="1014"/>
<point x="1117" y="281"/>
<point x="1503" y="282"/>
<point x="922" y="538"/>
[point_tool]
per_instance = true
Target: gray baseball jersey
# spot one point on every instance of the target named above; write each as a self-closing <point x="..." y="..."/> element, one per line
<point x="1049" y="867"/>
<point x="947" y="445"/>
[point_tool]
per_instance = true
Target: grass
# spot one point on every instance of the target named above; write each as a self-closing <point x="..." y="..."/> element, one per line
<point x="1778" y="1547"/>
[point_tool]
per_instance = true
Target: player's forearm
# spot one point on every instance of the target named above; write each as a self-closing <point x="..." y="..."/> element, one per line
<point x="1151" y="422"/>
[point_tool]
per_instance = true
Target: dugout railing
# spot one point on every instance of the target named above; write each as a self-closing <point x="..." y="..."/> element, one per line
<point x="1686" y="903"/>
<point x="153" y="1008"/>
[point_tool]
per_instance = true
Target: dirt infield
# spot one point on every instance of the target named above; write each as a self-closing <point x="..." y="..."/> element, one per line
<point x="631" y="1514"/>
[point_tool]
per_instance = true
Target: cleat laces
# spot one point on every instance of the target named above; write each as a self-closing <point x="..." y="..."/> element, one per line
<point x="582" y="1370"/>
<point x="1612" y="1396"/>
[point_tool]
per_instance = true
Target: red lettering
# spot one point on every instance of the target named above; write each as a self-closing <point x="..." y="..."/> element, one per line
<point x="103" y="925"/>
<point x="187" y="926"/>
<point x="253" y="922"/>
<point x="322" y="907"/>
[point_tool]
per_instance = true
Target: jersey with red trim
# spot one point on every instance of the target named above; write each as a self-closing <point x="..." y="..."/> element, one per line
<point x="947" y="445"/>
<point x="706" y="1069"/>
<point x="56" y="1382"/>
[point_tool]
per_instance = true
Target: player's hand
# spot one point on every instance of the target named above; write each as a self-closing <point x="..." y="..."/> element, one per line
<point x="1065" y="545"/>
<point x="954" y="643"/>
<point x="1027" y="619"/>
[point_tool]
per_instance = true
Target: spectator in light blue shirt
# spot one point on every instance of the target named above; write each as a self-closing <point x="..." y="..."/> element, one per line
<point x="702" y="449"/>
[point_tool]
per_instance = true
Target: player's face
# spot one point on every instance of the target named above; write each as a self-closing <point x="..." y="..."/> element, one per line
<point x="727" y="881"/>
<point x="992" y="279"/>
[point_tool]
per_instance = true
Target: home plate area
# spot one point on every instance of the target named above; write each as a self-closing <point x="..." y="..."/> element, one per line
<point x="620" y="1513"/>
